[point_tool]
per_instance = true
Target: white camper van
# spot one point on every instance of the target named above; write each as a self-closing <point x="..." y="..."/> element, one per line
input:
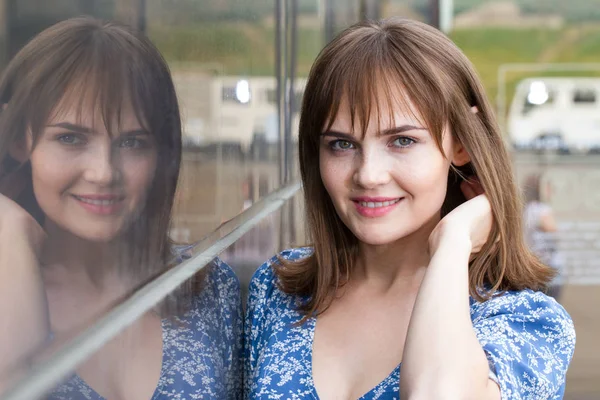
<point x="231" y="109"/>
<point x="556" y="113"/>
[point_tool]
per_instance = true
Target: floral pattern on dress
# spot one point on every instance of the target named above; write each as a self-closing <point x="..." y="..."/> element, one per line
<point x="527" y="336"/>
<point x="202" y="348"/>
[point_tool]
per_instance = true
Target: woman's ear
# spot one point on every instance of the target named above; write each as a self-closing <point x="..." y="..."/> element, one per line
<point x="460" y="155"/>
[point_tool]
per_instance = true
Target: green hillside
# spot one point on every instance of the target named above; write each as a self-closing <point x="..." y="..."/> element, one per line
<point x="184" y="11"/>
<point x="571" y="10"/>
<point x="247" y="49"/>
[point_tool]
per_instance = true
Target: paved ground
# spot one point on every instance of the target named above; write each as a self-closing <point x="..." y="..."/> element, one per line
<point x="583" y="380"/>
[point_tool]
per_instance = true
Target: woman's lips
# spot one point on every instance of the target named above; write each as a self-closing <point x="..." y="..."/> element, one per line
<point x="100" y="204"/>
<point x="375" y="206"/>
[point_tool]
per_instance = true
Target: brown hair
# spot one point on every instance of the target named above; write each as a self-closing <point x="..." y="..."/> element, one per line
<point x="96" y="65"/>
<point x="441" y="83"/>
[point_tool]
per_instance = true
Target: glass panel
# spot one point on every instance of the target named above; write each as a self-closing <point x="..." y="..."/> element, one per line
<point x="222" y="60"/>
<point x="222" y="69"/>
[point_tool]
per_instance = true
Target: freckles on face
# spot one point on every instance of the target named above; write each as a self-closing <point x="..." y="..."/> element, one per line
<point x="90" y="182"/>
<point x="388" y="184"/>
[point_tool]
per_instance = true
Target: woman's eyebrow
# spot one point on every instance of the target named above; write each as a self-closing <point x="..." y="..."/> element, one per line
<point x="338" y="135"/>
<point x="84" y="129"/>
<point x="391" y="131"/>
<point x="400" y="129"/>
<point x="134" y="132"/>
<point x="72" y="127"/>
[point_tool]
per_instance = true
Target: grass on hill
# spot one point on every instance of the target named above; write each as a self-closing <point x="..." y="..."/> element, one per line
<point x="247" y="49"/>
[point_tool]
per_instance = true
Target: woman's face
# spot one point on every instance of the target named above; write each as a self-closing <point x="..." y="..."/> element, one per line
<point x="391" y="183"/>
<point x="88" y="181"/>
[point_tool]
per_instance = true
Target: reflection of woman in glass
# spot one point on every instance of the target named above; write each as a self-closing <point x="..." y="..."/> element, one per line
<point x="540" y="230"/>
<point x="90" y="144"/>
<point x="417" y="285"/>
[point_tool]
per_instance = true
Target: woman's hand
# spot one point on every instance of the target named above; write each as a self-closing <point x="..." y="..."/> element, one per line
<point x="15" y="222"/>
<point x="471" y="221"/>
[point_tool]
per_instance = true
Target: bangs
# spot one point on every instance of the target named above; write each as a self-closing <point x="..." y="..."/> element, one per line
<point x="102" y="79"/>
<point x="375" y="78"/>
<point x="375" y="95"/>
<point x="101" y="97"/>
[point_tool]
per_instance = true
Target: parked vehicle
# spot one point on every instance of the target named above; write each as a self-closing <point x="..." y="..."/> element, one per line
<point x="560" y="114"/>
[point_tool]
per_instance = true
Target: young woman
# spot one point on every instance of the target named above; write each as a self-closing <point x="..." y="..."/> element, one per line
<point x="418" y="284"/>
<point x="90" y="150"/>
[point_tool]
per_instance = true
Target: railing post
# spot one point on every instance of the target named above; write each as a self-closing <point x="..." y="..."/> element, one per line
<point x="285" y="70"/>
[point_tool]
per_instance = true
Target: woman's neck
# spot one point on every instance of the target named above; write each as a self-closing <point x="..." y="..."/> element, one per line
<point x="78" y="258"/>
<point x="400" y="262"/>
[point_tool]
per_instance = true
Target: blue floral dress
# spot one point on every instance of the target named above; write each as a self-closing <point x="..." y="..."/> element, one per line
<point x="527" y="336"/>
<point x="202" y="348"/>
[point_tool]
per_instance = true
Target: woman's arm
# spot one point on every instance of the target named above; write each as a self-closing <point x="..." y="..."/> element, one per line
<point x="442" y="356"/>
<point x="24" y="321"/>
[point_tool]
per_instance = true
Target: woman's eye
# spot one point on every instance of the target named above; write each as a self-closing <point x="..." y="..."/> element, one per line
<point x="132" y="143"/>
<point x="341" y="145"/>
<point x="403" y="142"/>
<point x="70" y="139"/>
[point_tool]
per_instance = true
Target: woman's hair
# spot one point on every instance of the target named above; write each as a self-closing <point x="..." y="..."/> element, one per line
<point x="99" y="67"/>
<point x="376" y="67"/>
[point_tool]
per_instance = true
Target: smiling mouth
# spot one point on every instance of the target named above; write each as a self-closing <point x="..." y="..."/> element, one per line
<point x="377" y="204"/>
<point x="99" y="202"/>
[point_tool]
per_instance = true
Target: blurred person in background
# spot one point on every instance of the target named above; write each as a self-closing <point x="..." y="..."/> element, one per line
<point x="418" y="283"/>
<point x="90" y="150"/>
<point x="540" y="230"/>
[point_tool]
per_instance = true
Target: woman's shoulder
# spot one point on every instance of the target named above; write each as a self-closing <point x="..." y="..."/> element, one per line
<point x="265" y="276"/>
<point x="516" y="327"/>
<point x="538" y="312"/>
<point x="213" y="297"/>
<point x="264" y="290"/>
<point x="515" y="300"/>
<point x="211" y="319"/>
<point x="223" y="276"/>
<point x="218" y="274"/>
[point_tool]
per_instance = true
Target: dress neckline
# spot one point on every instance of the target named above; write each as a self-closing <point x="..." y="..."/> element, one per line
<point x="163" y="367"/>
<point x="385" y="382"/>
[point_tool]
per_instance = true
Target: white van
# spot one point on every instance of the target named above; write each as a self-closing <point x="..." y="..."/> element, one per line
<point x="231" y="109"/>
<point x="556" y="113"/>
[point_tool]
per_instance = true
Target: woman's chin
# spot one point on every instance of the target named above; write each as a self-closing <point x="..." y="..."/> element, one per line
<point x="377" y="239"/>
<point x="100" y="235"/>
